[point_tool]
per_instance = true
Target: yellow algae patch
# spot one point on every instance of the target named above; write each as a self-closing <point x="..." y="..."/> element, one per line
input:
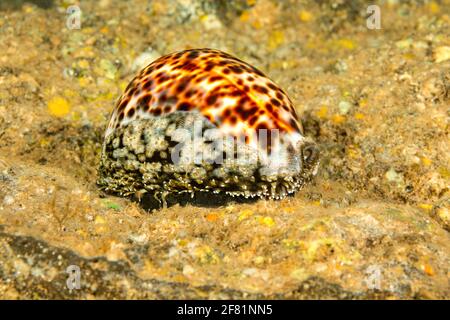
<point x="276" y="39"/>
<point x="353" y="151"/>
<point x="444" y="172"/>
<point x="28" y="9"/>
<point x="99" y="229"/>
<point x="433" y="7"/>
<point x="441" y="54"/>
<point x="305" y="16"/>
<point x="346" y="44"/>
<point x="425" y="206"/>
<point x="83" y="63"/>
<point x="84" y="82"/>
<point x="299" y="274"/>
<point x="259" y="260"/>
<point x="44" y="142"/>
<point x="322" y="113"/>
<point x="244" y="214"/>
<point x="289" y="209"/>
<point x="82" y="233"/>
<point x="337" y="119"/>
<point x="405" y="43"/>
<point x="104" y="30"/>
<point x="362" y="102"/>
<point x="268" y="221"/>
<point x="58" y="106"/>
<point x="206" y="255"/>
<point x="444" y="214"/>
<point x="84" y="52"/>
<point x="99" y="220"/>
<point x="359" y="116"/>
<point x="244" y="16"/>
<point x="257" y="24"/>
<point x="123" y="85"/>
<point x="318" y="249"/>
<point x="292" y="243"/>
<point x="426" y="161"/>
<point x="409" y="56"/>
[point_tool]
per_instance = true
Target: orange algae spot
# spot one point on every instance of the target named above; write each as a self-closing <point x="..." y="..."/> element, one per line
<point x="211" y="217"/>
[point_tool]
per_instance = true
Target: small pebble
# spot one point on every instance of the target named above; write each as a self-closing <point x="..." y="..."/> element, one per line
<point x="109" y="69"/>
<point x="58" y="106"/>
<point x="341" y="66"/>
<point x="8" y="200"/>
<point x="344" y="107"/>
<point x="441" y="54"/>
<point x="188" y="270"/>
<point x="144" y="59"/>
<point x="138" y="238"/>
<point x="394" y="176"/>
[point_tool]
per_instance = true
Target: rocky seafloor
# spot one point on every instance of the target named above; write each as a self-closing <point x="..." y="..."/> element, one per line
<point x="374" y="224"/>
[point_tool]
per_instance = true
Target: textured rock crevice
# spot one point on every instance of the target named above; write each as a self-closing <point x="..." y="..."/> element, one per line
<point x="37" y="270"/>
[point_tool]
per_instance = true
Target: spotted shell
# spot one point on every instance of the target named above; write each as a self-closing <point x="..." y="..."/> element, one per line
<point x="223" y="93"/>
